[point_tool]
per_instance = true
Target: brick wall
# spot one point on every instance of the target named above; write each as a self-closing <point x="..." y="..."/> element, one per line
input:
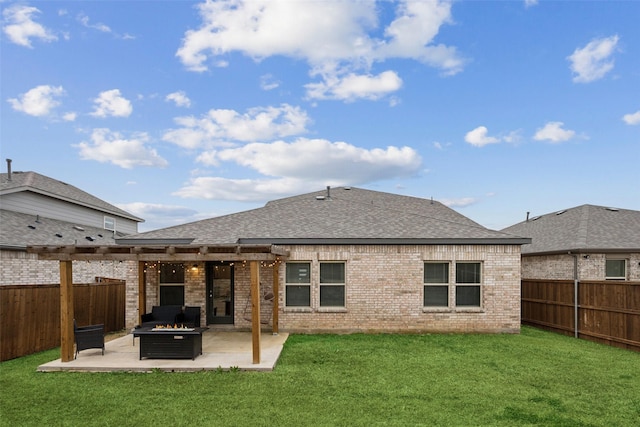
<point x="561" y="266"/>
<point x="384" y="290"/>
<point x="21" y="268"/>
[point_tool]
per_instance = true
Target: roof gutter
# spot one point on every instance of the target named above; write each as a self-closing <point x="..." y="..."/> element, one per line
<point x="583" y="251"/>
<point x="7" y="247"/>
<point x="161" y="242"/>
<point x="394" y="241"/>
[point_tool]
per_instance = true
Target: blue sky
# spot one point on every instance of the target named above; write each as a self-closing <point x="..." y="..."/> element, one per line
<point x="177" y="110"/>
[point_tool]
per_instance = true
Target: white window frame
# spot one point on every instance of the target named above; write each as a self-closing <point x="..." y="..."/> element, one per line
<point x="108" y="220"/>
<point x="307" y="284"/>
<point x="624" y="276"/>
<point x="322" y="284"/>
<point x="446" y="284"/>
<point x="478" y="284"/>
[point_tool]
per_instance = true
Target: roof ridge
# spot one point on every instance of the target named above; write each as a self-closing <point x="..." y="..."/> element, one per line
<point x="582" y="231"/>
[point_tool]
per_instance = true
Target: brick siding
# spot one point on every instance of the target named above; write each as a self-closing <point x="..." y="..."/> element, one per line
<point x="561" y="266"/>
<point x="384" y="290"/>
<point x="21" y="268"/>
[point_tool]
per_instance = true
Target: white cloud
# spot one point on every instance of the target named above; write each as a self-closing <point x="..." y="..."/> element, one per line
<point x="337" y="39"/>
<point x="155" y="211"/>
<point x="552" y="131"/>
<point x="219" y="127"/>
<point x="512" y="137"/>
<point x="244" y="190"/>
<point x="530" y="3"/>
<point x="39" y="101"/>
<point x="103" y="28"/>
<point x="111" y="147"/>
<point x="84" y="20"/>
<point x="268" y="82"/>
<point x="70" y="116"/>
<point x="351" y="87"/>
<point x="157" y="215"/>
<point x="478" y="137"/>
<point x="460" y="202"/>
<point x="320" y="160"/>
<point x="289" y="168"/>
<point x="593" y="61"/>
<point x="21" y="28"/>
<point x="632" y="118"/>
<point x="180" y="98"/>
<point x="111" y="103"/>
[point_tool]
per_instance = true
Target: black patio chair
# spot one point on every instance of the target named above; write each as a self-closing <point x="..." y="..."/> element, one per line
<point x="86" y="337"/>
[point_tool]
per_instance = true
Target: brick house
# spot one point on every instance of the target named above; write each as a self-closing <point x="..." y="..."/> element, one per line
<point x="39" y="210"/>
<point x="582" y="243"/>
<point x="340" y="260"/>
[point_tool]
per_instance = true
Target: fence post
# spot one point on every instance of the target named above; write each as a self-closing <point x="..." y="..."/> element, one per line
<point x="576" y="317"/>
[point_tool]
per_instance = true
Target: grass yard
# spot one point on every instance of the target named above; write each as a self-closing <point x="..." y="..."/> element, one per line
<point x="535" y="378"/>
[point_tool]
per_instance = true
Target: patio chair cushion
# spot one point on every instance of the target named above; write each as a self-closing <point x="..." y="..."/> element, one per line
<point x="191" y="317"/>
<point x="162" y="315"/>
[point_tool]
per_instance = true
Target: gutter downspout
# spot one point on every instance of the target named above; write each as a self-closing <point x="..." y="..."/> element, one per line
<point x="576" y="285"/>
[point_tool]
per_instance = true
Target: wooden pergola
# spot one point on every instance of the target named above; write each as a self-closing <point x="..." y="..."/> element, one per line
<point x="253" y="254"/>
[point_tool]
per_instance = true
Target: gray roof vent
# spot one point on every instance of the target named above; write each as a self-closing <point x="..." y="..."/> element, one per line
<point x="535" y="218"/>
<point x="561" y="212"/>
<point x="33" y="227"/>
<point x="613" y="209"/>
<point x="320" y="197"/>
<point x="77" y="227"/>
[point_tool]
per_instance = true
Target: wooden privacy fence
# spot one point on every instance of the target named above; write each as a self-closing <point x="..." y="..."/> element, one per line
<point x="608" y="311"/>
<point x="30" y="314"/>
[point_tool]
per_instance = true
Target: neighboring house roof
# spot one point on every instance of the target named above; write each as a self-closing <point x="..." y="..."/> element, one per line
<point x="342" y="215"/>
<point x="585" y="228"/>
<point x="19" y="230"/>
<point x="36" y="183"/>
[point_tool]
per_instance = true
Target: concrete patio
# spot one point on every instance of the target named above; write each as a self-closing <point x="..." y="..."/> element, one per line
<point x="220" y="350"/>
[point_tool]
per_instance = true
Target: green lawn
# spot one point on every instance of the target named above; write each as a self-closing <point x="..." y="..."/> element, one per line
<point x="535" y="378"/>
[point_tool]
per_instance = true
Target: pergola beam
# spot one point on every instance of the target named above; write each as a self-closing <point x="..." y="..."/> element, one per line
<point x="251" y="253"/>
<point x="142" y="291"/>
<point x="255" y="309"/>
<point x="66" y="311"/>
<point x="276" y="292"/>
<point x="151" y="253"/>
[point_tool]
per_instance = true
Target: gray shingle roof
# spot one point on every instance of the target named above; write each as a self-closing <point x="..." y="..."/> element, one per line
<point x="32" y="181"/>
<point x="19" y="230"/>
<point x="583" y="228"/>
<point x="349" y="215"/>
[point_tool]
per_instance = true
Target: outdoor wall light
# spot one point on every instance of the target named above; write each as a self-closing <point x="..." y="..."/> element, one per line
<point x="586" y="257"/>
<point x="194" y="267"/>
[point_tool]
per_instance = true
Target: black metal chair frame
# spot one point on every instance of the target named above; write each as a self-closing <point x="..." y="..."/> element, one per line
<point x="87" y="337"/>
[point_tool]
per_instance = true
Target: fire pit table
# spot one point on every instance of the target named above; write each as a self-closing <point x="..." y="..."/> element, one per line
<point x="170" y="343"/>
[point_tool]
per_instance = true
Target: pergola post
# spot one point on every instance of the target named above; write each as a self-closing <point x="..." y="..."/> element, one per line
<point x="66" y="311"/>
<point x="255" y="309"/>
<point x="276" y="292"/>
<point x="142" y="291"/>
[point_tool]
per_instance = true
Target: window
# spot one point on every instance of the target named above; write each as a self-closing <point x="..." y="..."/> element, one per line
<point x="436" y="288"/>
<point x="109" y="223"/>
<point x="298" y="284"/>
<point x="332" y="284"/>
<point x="468" y="279"/>
<point x="616" y="269"/>
<point x="171" y="284"/>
